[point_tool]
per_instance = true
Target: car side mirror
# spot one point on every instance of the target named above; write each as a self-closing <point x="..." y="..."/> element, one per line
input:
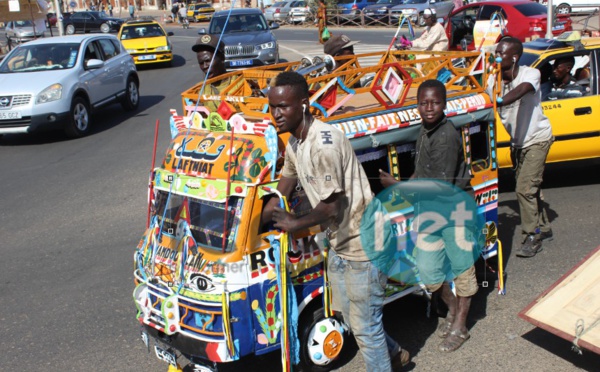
<point x="274" y="26"/>
<point x="94" y="64"/>
<point x="170" y="33"/>
<point x="202" y="31"/>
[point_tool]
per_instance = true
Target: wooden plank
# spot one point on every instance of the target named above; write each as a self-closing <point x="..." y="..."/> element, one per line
<point x="574" y="297"/>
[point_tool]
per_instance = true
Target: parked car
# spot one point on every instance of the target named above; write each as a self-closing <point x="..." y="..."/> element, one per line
<point x="414" y="10"/>
<point x="147" y="42"/>
<point x="525" y="20"/>
<point x="298" y="12"/>
<point x="200" y="12"/>
<point x="57" y="83"/>
<point x="20" y="32"/>
<point x="381" y="8"/>
<point x="273" y="13"/>
<point x="575" y="6"/>
<point x="575" y="119"/>
<point x="91" y="22"/>
<point x="247" y="37"/>
<point x="353" y="7"/>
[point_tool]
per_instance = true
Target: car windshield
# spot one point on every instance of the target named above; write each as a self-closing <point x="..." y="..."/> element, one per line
<point x="531" y="9"/>
<point x="137" y="32"/>
<point x="206" y="218"/>
<point x="23" y="24"/>
<point x="198" y="6"/>
<point x="415" y="2"/>
<point x="30" y="58"/>
<point x="279" y="4"/>
<point x="238" y="23"/>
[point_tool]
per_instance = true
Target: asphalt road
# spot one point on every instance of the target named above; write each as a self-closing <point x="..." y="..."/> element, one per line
<point x="72" y="212"/>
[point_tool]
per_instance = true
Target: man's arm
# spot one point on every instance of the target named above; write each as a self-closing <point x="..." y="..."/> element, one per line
<point x="516" y="94"/>
<point x="285" y="187"/>
<point x="322" y="213"/>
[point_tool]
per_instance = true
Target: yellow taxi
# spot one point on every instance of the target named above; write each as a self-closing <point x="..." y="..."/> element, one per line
<point x="200" y="12"/>
<point x="147" y="42"/>
<point x="574" y="113"/>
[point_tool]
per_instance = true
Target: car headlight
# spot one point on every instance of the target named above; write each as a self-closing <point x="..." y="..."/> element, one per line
<point x="164" y="48"/>
<point x="52" y="93"/>
<point x="130" y="51"/>
<point x="269" y="45"/>
<point x="409" y="11"/>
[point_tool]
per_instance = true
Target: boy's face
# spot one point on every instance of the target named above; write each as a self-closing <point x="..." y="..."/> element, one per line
<point x="286" y="107"/>
<point x="431" y="106"/>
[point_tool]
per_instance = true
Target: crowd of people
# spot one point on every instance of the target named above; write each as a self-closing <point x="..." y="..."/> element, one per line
<point x="320" y="160"/>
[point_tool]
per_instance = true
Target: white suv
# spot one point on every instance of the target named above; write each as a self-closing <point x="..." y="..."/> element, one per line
<point x="58" y="82"/>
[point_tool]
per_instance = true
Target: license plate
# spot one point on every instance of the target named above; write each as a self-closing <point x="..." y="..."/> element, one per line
<point x="558" y="27"/>
<point x="165" y="355"/>
<point x="147" y="58"/>
<point x="10" y="115"/>
<point x="244" y="62"/>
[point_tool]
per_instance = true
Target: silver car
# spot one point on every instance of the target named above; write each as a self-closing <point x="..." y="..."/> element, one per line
<point x="273" y="13"/>
<point x="414" y="10"/>
<point x="56" y="83"/>
<point x="21" y="31"/>
<point x="247" y="37"/>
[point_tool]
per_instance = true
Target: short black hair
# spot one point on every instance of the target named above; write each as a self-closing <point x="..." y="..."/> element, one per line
<point x="432" y="83"/>
<point x="515" y="43"/>
<point x="293" y="79"/>
<point x="568" y="59"/>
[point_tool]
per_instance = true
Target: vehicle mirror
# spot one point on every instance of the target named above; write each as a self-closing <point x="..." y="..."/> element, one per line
<point x="94" y="64"/>
<point x="463" y="44"/>
<point x="202" y="31"/>
<point x="170" y="33"/>
<point x="274" y="26"/>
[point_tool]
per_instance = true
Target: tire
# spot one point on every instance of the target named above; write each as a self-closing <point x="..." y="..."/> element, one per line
<point x="70" y="30"/>
<point x="563" y="9"/>
<point x="105" y="28"/>
<point x="131" y="101"/>
<point x="323" y="341"/>
<point x="79" y="121"/>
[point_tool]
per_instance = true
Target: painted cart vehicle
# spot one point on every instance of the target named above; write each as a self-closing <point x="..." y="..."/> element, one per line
<point x="209" y="276"/>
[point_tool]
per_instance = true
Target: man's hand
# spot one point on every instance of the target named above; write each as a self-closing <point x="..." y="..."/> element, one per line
<point x="386" y="179"/>
<point x="284" y="220"/>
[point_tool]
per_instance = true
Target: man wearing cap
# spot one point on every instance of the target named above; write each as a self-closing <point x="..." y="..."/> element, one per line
<point x="339" y="45"/>
<point x="434" y="37"/>
<point x="206" y="47"/>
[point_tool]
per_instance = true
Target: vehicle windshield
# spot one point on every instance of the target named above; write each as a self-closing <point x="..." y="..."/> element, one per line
<point x="101" y="15"/>
<point x="29" y="58"/>
<point x="532" y="9"/>
<point x="415" y="2"/>
<point x="206" y="218"/>
<point x="238" y="23"/>
<point x="198" y="6"/>
<point x="527" y="59"/>
<point x="23" y="24"/>
<point x="137" y="32"/>
<point x="279" y="4"/>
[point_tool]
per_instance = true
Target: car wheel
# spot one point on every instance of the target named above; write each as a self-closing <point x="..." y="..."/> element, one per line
<point x="79" y="122"/>
<point x="105" y="28"/>
<point x="321" y="341"/>
<point x="132" y="95"/>
<point x="563" y="9"/>
<point x="70" y="30"/>
<point x="421" y="20"/>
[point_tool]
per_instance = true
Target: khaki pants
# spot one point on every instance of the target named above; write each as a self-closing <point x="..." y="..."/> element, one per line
<point x="529" y="167"/>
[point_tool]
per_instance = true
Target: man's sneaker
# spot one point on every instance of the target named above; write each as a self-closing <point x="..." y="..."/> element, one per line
<point x="531" y="247"/>
<point x="546" y="236"/>
<point x="400" y="360"/>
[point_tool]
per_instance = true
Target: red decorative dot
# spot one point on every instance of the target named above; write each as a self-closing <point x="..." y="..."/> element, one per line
<point x="270" y="321"/>
<point x="270" y="307"/>
<point x="172" y="328"/>
<point x="270" y="295"/>
<point x="244" y="127"/>
<point x="238" y="189"/>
